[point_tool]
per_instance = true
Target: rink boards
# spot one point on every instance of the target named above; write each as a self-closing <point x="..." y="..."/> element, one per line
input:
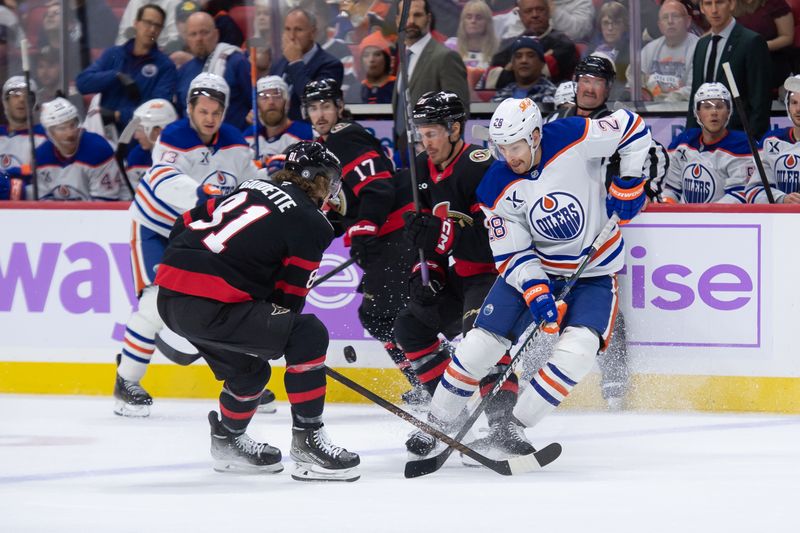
<point x="709" y="294"/>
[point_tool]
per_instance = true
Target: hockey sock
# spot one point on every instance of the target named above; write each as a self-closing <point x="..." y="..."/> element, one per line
<point x="306" y="386"/>
<point x="139" y="343"/>
<point x="429" y="364"/>
<point x="236" y="410"/>
<point x="402" y="363"/>
<point x="502" y="404"/>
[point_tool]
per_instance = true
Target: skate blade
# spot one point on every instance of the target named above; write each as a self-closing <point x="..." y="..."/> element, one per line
<point x="231" y="467"/>
<point x="312" y="472"/>
<point x="267" y="408"/>
<point x="132" y="411"/>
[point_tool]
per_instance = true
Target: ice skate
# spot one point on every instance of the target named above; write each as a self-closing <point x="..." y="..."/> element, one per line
<point x="240" y="453"/>
<point x="416" y="398"/>
<point x="131" y="399"/>
<point x="267" y="403"/>
<point x="421" y="444"/>
<point x="318" y="459"/>
<point x="506" y="439"/>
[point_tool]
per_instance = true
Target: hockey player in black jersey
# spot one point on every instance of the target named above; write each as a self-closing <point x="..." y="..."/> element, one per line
<point x="451" y="229"/>
<point x="233" y="281"/>
<point x="369" y="212"/>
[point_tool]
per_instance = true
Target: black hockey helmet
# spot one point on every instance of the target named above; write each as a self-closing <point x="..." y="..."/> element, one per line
<point x="597" y="66"/>
<point x="442" y="107"/>
<point x="326" y="89"/>
<point x="308" y="159"/>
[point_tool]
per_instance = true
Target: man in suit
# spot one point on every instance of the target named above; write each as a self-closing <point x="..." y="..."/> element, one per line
<point x="303" y="59"/>
<point x="431" y="65"/>
<point x="748" y="55"/>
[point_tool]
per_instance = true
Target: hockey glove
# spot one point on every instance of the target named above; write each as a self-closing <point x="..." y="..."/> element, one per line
<point x="206" y="192"/>
<point x="363" y="237"/>
<point x="131" y="89"/>
<point x="540" y="301"/>
<point x="429" y="232"/>
<point x="12" y="182"/>
<point x="275" y="163"/>
<point x="426" y="295"/>
<point x="626" y="197"/>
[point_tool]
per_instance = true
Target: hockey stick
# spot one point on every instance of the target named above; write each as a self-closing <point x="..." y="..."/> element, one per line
<point x="514" y="465"/>
<point x="123" y="144"/>
<point x="405" y="110"/>
<point x="429" y="465"/>
<point x="26" y="70"/>
<point x="328" y="275"/>
<point x="737" y="99"/>
<point x="254" y="83"/>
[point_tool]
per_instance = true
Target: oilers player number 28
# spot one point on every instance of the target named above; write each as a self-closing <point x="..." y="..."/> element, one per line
<point x="215" y="241"/>
<point x="497" y="228"/>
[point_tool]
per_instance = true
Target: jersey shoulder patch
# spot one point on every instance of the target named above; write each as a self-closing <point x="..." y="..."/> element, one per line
<point x="339" y="126"/>
<point x="480" y="155"/>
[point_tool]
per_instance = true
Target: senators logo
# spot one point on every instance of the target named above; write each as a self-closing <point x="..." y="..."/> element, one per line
<point x="479" y="156"/>
<point x="442" y="210"/>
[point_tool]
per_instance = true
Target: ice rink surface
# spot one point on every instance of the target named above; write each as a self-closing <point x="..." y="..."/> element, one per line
<point x="68" y="464"/>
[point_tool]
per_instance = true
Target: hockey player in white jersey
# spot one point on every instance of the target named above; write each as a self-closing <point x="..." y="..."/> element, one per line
<point x="709" y="164"/>
<point x="149" y="120"/>
<point x="15" y="147"/>
<point x="274" y="130"/>
<point x="546" y="200"/>
<point x="194" y="158"/>
<point x="780" y="153"/>
<point x="74" y="164"/>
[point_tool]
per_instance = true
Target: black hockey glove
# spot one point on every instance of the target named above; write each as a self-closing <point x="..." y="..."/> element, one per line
<point x="429" y="232"/>
<point x="131" y="89"/>
<point x="364" y="248"/>
<point x="426" y="295"/>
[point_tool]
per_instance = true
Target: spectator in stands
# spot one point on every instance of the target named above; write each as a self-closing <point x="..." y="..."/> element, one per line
<point x="613" y="38"/>
<point x="773" y="20"/>
<point x="355" y="21"/>
<point x="170" y="32"/>
<point x="748" y="55"/>
<point x="709" y="164"/>
<point x="560" y="54"/>
<point x="73" y="164"/>
<point x="223" y="59"/>
<point x="527" y="61"/>
<point x="176" y="48"/>
<point x="475" y="42"/>
<point x="326" y="37"/>
<point x="574" y="18"/>
<point x="378" y="84"/>
<point x="667" y="61"/>
<point x="263" y="32"/>
<point x="133" y="73"/>
<point x="229" y="31"/>
<point x="48" y="72"/>
<point x="303" y="59"/>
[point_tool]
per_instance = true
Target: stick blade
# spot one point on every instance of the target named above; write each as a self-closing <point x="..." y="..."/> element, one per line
<point x="423" y="467"/>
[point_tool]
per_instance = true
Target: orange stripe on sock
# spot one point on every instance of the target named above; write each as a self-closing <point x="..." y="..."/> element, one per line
<point x="557" y="386"/>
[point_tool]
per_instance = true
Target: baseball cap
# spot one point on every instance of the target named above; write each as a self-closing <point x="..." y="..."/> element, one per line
<point x="185" y="9"/>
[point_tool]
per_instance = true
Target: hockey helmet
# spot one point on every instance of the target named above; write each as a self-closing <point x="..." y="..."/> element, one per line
<point x="711" y="91"/>
<point x="598" y="66"/>
<point x="792" y="86"/>
<point x="319" y="90"/>
<point x="17" y="83"/>
<point x="211" y="85"/>
<point x="308" y="159"/>
<point x="442" y="107"/>
<point x="273" y="82"/>
<point x="57" y="111"/>
<point x="155" y="113"/>
<point x="512" y="121"/>
<point x="565" y="94"/>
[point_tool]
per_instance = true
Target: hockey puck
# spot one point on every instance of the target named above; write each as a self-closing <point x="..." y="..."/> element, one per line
<point x="350" y="354"/>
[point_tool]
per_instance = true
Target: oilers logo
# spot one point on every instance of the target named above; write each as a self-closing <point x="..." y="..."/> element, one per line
<point x="225" y="181"/>
<point x="65" y="193"/>
<point x="699" y="186"/>
<point x="8" y="160"/>
<point x="557" y="216"/>
<point x="787" y="173"/>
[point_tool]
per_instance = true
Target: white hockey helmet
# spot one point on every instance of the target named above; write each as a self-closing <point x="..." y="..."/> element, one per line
<point x="17" y="83"/>
<point x="712" y="91"/>
<point x="514" y="120"/>
<point x="211" y="85"/>
<point x="792" y="86"/>
<point x="155" y="113"/>
<point x="565" y="94"/>
<point x="57" y="111"/>
<point x="273" y="82"/>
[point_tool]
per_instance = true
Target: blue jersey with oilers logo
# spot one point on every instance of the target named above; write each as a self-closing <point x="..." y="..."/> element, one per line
<point x="780" y="153"/>
<point x="181" y="164"/>
<point x="276" y="144"/>
<point x="542" y="222"/>
<point x="702" y="173"/>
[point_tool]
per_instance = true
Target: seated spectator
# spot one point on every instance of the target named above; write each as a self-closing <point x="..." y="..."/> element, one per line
<point x="667" y="61"/>
<point x="263" y="31"/>
<point x="613" y="38"/>
<point x="73" y="164"/>
<point x="133" y="73"/>
<point x="564" y="96"/>
<point x="475" y="42"/>
<point x="355" y="21"/>
<point x="560" y="54"/>
<point x="150" y="119"/>
<point x="222" y="59"/>
<point x="573" y="18"/>
<point x="527" y="61"/>
<point x="773" y="20"/>
<point x="15" y="148"/>
<point x="176" y="48"/>
<point x="780" y="153"/>
<point x="709" y="164"/>
<point x="229" y="31"/>
<point x="378" y="84"/>
<point x="48" y="73"/>
<point x="303" y="59"/>
<point x="275" y="131"/>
